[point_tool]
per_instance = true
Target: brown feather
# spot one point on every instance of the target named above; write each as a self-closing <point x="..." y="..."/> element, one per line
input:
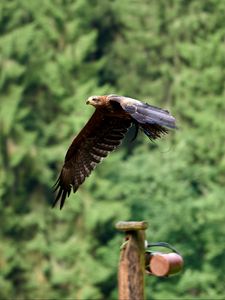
<point x="153" y="131"/>
<point x="97" y="139"/>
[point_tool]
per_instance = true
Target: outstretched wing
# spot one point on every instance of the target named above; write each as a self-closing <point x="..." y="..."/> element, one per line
<point x="154" y="121"/>
<point x="101" y="135"/>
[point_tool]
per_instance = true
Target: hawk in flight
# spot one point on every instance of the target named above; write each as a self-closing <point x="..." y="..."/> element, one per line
<point x="103" y="133"/>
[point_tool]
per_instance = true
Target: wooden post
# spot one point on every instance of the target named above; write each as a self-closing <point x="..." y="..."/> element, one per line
<point x="132" y="261"/>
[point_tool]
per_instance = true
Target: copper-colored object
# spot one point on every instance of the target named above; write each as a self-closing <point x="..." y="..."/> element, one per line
<point x="165" y="264"/>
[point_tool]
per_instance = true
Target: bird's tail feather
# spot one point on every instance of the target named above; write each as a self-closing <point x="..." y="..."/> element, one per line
<point x="153" y="131"/>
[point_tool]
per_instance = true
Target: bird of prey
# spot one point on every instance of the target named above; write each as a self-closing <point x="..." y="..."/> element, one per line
<point x="103" y="133"/>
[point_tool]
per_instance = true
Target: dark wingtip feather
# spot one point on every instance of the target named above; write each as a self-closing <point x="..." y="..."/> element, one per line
<point x="61" y="194"/>
<point x="55" y="186"/>
<point x="63" y="198"/>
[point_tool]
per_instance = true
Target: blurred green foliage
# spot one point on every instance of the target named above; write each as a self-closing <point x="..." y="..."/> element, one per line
<point x="53" y="55"/>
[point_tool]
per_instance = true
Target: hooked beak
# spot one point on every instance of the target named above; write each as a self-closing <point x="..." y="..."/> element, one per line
<point x="88" y="101"/>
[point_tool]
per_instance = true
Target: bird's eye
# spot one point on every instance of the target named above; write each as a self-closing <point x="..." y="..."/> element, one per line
<point x="95" y="99"/>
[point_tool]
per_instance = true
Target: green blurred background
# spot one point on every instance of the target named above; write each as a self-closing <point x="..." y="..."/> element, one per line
<point x="53" y="55"/>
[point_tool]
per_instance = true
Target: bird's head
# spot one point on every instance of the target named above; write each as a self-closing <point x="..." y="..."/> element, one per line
<point x="96" y="100"/>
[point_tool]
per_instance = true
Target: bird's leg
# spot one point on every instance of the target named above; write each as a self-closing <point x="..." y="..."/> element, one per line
<point x="136" y="131"/>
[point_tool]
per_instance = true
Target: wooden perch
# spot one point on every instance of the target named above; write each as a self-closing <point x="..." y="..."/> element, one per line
<point x="132" y="261"/>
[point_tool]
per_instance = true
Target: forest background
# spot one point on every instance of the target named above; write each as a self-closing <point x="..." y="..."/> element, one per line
<point x="53" y="55"/>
